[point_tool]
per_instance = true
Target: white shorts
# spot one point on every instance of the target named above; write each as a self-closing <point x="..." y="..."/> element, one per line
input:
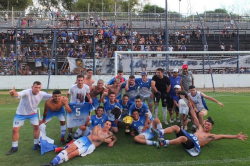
<point x="148" y="134"/>
<point x="19" y="120"/>
<point x="64" y="38"/>
<point x="84" y="146"/>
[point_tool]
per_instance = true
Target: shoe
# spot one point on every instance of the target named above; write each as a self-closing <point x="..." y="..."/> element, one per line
<point x="193" y="129"/>
<point x="156" y="144"/>
<point x="166" y="122"/>
<point x="63" y="141"/>
<point x="171" y="121"/>
<point x="37" y="147"/>
<point x="156" y="132"/>
<point x="12" y="150"/>
<point x="189" y="119"/>
<point x="185" y="128"/>
<point x="68" y="139"/>
<point x="48" y="164"/>
<point x="177" y="120"/>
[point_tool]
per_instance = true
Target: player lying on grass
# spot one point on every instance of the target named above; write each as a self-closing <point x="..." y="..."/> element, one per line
<point x="138" y="125"/>
<point x="86" y="144"/>
<point x="193" y="142"/>
<point x="54" y="107"/>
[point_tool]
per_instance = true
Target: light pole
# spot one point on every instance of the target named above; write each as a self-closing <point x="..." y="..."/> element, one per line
<point x="180" y="9"/>
<point x="166" y="34"/>
<point x="102" y="8"/>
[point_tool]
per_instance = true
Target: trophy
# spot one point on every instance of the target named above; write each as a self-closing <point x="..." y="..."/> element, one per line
<point x="127" y="121"/>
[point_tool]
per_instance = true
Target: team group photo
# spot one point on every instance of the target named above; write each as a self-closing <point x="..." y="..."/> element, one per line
<point x="125" y="82"/>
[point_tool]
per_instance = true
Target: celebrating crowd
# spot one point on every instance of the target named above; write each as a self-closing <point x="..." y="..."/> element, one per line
<point x="116" y="100"/>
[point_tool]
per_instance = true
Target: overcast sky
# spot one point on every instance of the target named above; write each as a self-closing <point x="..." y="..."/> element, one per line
<point x="200" y="5"/>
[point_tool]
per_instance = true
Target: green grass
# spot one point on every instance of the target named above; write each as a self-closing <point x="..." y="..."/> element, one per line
<point x="231" y="119"/>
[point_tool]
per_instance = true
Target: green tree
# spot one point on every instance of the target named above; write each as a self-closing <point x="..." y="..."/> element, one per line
<point x="129" y="4"/>
<point x="95" y="5"/>
<point x="218" y="11"/>
<point x="16" y="4"/>
<point x="152" y="9"/>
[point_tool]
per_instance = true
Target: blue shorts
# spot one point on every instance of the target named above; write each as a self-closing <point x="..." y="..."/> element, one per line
<point x="95" y="102"/>
<point x="60" y="115"/>
<point x="113" y="124"/>
<point x="148" y="134"/>
<point x="19" y="120"/>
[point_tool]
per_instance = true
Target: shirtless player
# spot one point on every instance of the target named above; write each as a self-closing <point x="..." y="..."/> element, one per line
<point x="193" y="142"/>
<point x="95" y="91"/>
<point x="115" y="88"/>
<point x="54" y="107"/>
<point x="86" y="144"/>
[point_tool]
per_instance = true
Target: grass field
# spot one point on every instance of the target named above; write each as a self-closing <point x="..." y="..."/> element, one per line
<point x="231" y="119"/>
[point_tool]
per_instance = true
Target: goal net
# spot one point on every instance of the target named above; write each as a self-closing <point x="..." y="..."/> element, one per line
<point x="216" y="72"/>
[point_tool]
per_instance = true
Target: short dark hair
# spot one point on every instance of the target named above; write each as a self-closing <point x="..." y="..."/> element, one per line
<point x="79" y="76"/>
<point x="160" y="69"/>
<point x="135" y="110"/>
<point x="131" y="77"/>
<point x="100" y="107"/>
<point x="120" y="71"/>
<point x="37" y="82"/>
<point x="191" y="87"/>
<point x="125" y="95"/>
<point x="210" y="120"/>
<point x="89" y="70"/>
<point x="111" y="93"/>
<point x="138" y="97"/>
<point x="56" y="91"/>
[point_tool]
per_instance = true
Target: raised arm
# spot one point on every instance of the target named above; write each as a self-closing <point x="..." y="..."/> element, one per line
<point x="13" y="92"/>
<point x="66" y="104"/>
<point x="212" y="99"/>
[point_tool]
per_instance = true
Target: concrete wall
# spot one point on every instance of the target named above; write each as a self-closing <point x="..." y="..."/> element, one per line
<point x="64" y="82"/>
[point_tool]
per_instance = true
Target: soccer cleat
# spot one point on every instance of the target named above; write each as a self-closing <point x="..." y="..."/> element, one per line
<point x="12" y="150"/>
<point x="69" y="139"/>
<point x="185" y="128"/>
<point x="37" y="147"/>
<point x="63" y="141"/>
<point x="156" y="144"/>
<point x="177" y="120"/>
<point x="48" y="164"/>
<point x="166" y="122"/>
<point x="156" y="132"/>
<point x="171" y="121"/>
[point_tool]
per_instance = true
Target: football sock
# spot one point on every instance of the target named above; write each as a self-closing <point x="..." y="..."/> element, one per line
<point x="63" y="131"/>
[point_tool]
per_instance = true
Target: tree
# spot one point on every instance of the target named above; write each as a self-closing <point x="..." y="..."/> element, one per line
<point x="95" y="5"/>
<point x="218" y="11"/>
<point x="129" y="4"/>
<point x="152" y="9"/>
<point x="16" y="4"/>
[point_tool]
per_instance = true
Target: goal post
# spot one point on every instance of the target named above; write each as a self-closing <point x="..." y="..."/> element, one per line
<point x="229" y="69"/>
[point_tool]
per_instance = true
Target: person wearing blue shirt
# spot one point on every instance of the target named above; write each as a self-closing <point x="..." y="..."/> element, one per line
<point x="146" y="134"/>
<point x="174" y="80"/>
<point x="145" y="89"/>
<point x="45" y="62"/>
<point x="119" y="75"/>
<point x="125" y="103"/>
<point x="98" y="119"/>
<point x="131" y="88"/>
<point x="109" y="106"/>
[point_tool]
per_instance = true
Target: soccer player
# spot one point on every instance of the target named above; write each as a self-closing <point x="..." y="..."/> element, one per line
<point x="160" y="85"/>
<point x="54" y="107"/>
<point x="116" y="88"/>
<point x="78" y="93"/>
<point x="88" y="80"/>
<point x="86" y="145"/>
<point x="142" y="109"/>
<point x="187" y="78"/>
<point x="174" y="80"/>
<point x="98" y="119"/>
<point x="109" y="108"/>
<point x="131" y="88"/>
<point x="145" y="89"/>
<point x="125" y="103"/>
<point x="199" y="104"/>
<point x="119" y="76"/>
<point x="97" y="90"/>
<point x="27" y="109"/>
<point x="193" y="142"/>
<point x="138" y="125"/>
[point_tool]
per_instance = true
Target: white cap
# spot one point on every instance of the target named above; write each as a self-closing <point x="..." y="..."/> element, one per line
<point x="177" y="87"/>
<point x="175" y="70"/>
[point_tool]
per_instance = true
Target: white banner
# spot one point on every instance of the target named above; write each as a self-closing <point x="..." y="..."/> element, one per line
<point x="106" y="65"/>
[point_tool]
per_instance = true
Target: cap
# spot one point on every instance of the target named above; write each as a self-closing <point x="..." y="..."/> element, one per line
<point x="143" y="73"/>
<point x="175" y="70"/>
<point x="177" y="87"/>
<point x="185" y="66"/>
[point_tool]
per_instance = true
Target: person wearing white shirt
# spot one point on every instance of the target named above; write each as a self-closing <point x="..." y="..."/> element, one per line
<point x="27" y="109"/>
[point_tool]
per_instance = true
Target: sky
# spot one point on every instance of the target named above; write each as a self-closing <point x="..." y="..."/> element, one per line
<point x="235" y="6"/>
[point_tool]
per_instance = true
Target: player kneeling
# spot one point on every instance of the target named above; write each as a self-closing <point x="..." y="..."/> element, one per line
<point x="144" y="131"/>
<point x="86" y="144"/>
